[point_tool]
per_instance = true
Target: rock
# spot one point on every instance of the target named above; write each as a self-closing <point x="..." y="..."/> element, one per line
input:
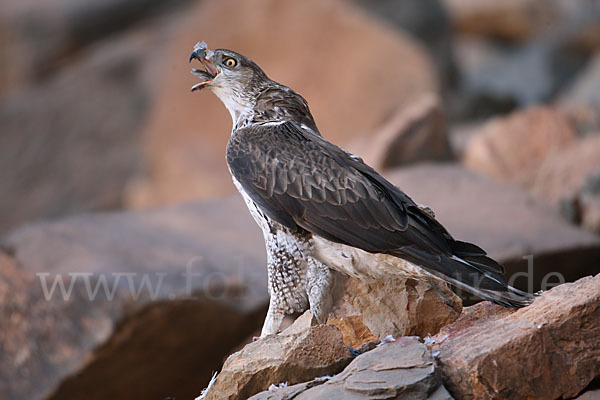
<point x="583" y="207"/>
<point x="396" y="306"/>
<point x="506" y="222"/>
<point x="510" y="148"/>
<point x="538" y="151"/>
<point x="584" y="90"/>
<point x="495" y="79"/>
<point x="572" y="21"/>
<point x="563" y="175"/>
<point x="187" y="133"/>
<point x="589" y="395"/>
<point x="63" y="150"/>
<point x="300" y="353"/>
<point x="547" y="350"/>
<point x="354" y="332"/>
<point x="581" y="17"/>
<point x="460" y="135"/>
<point x="38" y="37"/>
<point x="402" y="369"/>
<point x="514" y="20"/>
<point x="543" y="46"/>
<point x="427" y="20"/>
<point x="585" y="119"/>
<point x="589" y="205"/>
<point x="581" y="99"/>
<point x="42" y="338"/>
<point x="414" y="134"/>
<point x="165" y="293"/>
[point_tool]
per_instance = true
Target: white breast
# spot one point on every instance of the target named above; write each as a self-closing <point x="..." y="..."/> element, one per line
<point x="258" y="216"/>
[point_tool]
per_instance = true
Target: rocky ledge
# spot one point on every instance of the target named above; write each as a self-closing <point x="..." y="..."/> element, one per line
<point x="545" y="351"/>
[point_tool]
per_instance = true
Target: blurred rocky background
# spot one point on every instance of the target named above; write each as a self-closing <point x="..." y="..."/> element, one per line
<point x="112" y="172"/>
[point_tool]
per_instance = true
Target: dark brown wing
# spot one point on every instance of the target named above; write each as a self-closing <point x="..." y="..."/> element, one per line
<point x="302" y="181"/>
<point x="306" y="183"/>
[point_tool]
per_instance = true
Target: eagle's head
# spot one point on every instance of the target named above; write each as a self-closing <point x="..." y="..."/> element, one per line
<point x="249" y="95"/>
<point x="235" y="79"/>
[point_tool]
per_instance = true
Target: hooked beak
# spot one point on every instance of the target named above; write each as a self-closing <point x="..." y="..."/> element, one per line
<point x="209" y="72"/>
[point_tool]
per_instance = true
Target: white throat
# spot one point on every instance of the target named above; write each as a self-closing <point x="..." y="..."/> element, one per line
<point x="240" y="111"/>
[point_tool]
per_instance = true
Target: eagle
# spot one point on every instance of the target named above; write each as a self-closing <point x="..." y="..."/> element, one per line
<point x="322" y="209"/>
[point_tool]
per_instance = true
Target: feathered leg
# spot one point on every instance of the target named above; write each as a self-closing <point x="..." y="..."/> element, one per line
<point x="320" y="290"/>
<point x="287" y="274"/>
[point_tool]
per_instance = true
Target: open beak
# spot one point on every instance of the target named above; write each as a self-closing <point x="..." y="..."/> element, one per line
<point x="209" y="72"/>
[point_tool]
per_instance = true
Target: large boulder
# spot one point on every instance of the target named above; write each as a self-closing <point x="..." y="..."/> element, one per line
<point x="495" y="79"/>
<point x="40" y="339"/>
<point x="590" y="395"/>
<point x="428" y="21"/>
<point x="539" y="150"/>
<point x="521" y="20"/>
<point x="394" y="306"/>
<point x="563" y="175"/>
<point x="551" y="42"/>
<point x="581" y="99"/>
<point x="583" y="91"/>
<point x="547" y="350"/>
<point x="168" y="293"/>
<point x="72" y="142"/>
<point x="509" y="20"/>
<point x="354" y="81"/>
<point x="584" y="206"/>
<point x="414" y="134"/>
<point x="511" y="148"/>
<point x="39" y="38"/>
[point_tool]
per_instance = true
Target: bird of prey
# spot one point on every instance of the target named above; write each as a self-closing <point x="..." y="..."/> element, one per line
<point x="322" y="209"/>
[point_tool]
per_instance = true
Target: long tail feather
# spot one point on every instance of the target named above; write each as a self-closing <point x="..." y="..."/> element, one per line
<point x="476" y="274"/>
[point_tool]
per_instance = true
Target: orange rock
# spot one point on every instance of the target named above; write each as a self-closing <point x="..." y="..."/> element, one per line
<point x="354" y="73"/>
<point x="511" y="148"/>
<point x="397" y="307"/>
<point x="508" y="19"/>
<point x="354" y="331"/>
<point x="301" y="352"/>
<point x="547" y="350"/>
<point x="413" y="134"/>
<point x="564" y="174"/>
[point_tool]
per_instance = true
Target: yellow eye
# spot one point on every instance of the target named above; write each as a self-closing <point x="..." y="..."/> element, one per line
<point x="230" y="62"/>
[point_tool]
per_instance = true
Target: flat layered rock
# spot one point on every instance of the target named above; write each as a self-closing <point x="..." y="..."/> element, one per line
<point x="402" y="369"/>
